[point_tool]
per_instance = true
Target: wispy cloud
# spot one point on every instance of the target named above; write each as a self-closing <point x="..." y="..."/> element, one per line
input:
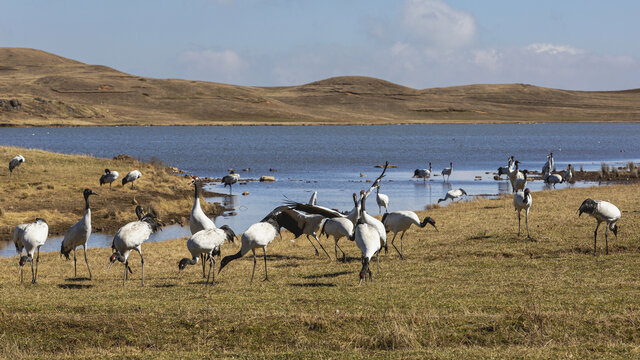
<point x="223" y="65"/>
<point x="438" y="23"/>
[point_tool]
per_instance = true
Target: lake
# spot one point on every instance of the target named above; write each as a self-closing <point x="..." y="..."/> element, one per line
<point x="331" y="159"/>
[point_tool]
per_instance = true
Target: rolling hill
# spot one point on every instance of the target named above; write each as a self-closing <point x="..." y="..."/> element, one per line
<point x="39" y="88"/>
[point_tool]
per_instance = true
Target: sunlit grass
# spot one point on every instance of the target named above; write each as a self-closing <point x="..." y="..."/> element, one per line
<point x="474" y="289"/>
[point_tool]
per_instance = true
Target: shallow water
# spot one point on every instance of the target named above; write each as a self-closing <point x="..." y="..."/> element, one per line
<point x="331" y="159"/>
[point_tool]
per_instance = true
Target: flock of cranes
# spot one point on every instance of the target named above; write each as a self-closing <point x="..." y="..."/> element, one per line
<point x="310" y="219"/>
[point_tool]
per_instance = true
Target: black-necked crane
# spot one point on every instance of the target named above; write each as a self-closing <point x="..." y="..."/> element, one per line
<point x="519" y="181"/>
<point x="552" y="179"/>
<point x="401" y="221"/>
<point x="453" y="194"/>
<point x="310" y="225"/>
<point x="130" y="237"/>
<point x="422" y="173"/>
<point x="230" y="179"/>
<point x="18" y="231"/>
<point x="382" y="200"/>
<point x="505" y="170"/>
<point x="522" y="201"/>
<point x="376" y="224"/>
<point x="602" y="211"/>
<point x="367" y="239"/>
<point x="548" y="165"/>
<point x="314" y="198"/>
<point x="78" y="234"/>
<point x="199" y="220"/>
<point x="568" y="174"/>
<point x="109" y="177"/>
<point x="15" y="162"/>
<point x="131" y="177"/>
<point x="339" y="227"/>
<point x="207" y="241"/>
<point x="447" y="171"/>
<point x="33" y="236"/>
<point x="261" y="234"/>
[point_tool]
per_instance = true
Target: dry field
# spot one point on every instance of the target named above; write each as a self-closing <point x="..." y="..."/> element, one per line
<point x="472" y="290"/>
<point x="50" y="90"/>
<point x="50" y="185"/>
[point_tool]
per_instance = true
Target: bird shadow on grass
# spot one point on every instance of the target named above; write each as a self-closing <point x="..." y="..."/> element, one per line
<point x="78" y="279"/>
<point x="330" y="275"/>
<point x="75" y="286"/>
<point x="163" y="286"/>
<point x="284" y="257"/>
<point x="313" y="285"/>
<point x="479" y="237"/>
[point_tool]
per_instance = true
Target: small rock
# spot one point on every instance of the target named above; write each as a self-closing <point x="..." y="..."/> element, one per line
<point x="245" y="193"/>
<point x="272" y="170"/>
<point x="362" y="175"/>
<point x="267" y="178"/>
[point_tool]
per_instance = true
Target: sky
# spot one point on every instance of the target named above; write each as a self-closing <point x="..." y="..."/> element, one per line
<point x="568" y="44"/>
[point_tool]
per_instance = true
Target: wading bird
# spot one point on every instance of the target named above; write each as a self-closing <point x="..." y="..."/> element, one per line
<point x="505" y="170"/>
<point x="18" y="231"/>
<point x="208" y="242"/>
<point x="367" y="239"/>
<point x="382" y="200"/>
<point x="34" y="236"/>
<point x="314" y="198"/>
<point x="568" y="174"/>
<point x="198" y="220"/>
<point x="401" y="221"/>
<point x="78" y="235"/>
<point x="131" y="177"/>
<point x="130" y="237"/>
<point x="602" y="211"/>
<point x="261" y="234"/>
<point x="15" y="162"/>
<point x="552" y="179"/>
<point x="522" y="201"/>
<point x="453" y="194"/>
<point x="422" y="173"/>
<point x="230" y="179"/>
<point x="447" y="171"/>
<point x="548" y="166"/>
<point x="339" y="227"/>
<point x="109" y="177"/>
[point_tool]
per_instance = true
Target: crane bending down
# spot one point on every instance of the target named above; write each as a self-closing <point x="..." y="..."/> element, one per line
<point x="131" y="177"/>
<point x="367" y="239"/>
<point x="261" y="234"/>
<point x="130" y="237"/>
<point x="401" y="221"/>
<point x="602" y="211"/>
<point x="339" y="227"/>
<point x="109" y="177"/>
<point x="207" y="242"/>
<point x="15" y="162"/>
<point x="522" y="201"/>
<point x="32" y="237"/>
<point x="78" y="235"/>
<point x="453" y="194"/>
<point x="199" y="220"/>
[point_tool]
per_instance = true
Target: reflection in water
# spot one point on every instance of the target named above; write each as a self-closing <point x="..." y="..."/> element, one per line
<point x="504" y="187"/>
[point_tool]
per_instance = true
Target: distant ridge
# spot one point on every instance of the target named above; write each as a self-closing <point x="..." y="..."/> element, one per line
<point x="38" y="88"/>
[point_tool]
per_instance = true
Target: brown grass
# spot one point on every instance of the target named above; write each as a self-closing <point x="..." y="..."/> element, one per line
<point x="55" y="91"/>
<point x="50" y="185"/>
<point x="473" y="290"/>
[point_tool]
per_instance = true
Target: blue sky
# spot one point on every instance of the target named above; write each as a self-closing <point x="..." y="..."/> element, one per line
<point x="568" y="44"/>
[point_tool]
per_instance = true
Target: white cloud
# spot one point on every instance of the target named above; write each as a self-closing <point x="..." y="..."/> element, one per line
<point x="438" y="23"/>
<point x="223" y="65"/>
<point x="552" y="49"/>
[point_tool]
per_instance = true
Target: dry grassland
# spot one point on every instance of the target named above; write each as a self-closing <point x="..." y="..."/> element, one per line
<point x="472" y="290"/>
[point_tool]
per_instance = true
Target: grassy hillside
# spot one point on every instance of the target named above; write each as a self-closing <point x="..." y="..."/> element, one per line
<point x="474" y="289"/>
<point x="51" y="90"/>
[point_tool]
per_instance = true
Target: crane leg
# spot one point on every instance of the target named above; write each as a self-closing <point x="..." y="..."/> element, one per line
<point x="20" y="272"/>
<point x="518" y="222"/>
<point x="378" y="261"/>
<point x="606" y="240"/>
<point x="35" y="277"/>
<point x="209" y="275"/>
<point x="124" y="278"/>
<point x="401" y="249"/>
<point x="254" y="265"/>
<point x="526" y="220"/>
<point x="203" y="259"/>
<point x="84" y="248"/>
<point x="394" y="245"/>
<point x="266" y="275"/>
<point x="319" y="243"/>
<point x="314" y="247"/>
<point x="344" y="256"/>
<point x="142" y="262"/>
<point x="595" y="236"/>
<point x="75" y="269"/>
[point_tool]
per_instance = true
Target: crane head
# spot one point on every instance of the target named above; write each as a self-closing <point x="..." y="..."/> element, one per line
<point x="430" y="221"/>
<point x="614" y="229"/>
<point x="24" y="260"/>
<point x="364" y="270"/>
<point x="183" y="264"/>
